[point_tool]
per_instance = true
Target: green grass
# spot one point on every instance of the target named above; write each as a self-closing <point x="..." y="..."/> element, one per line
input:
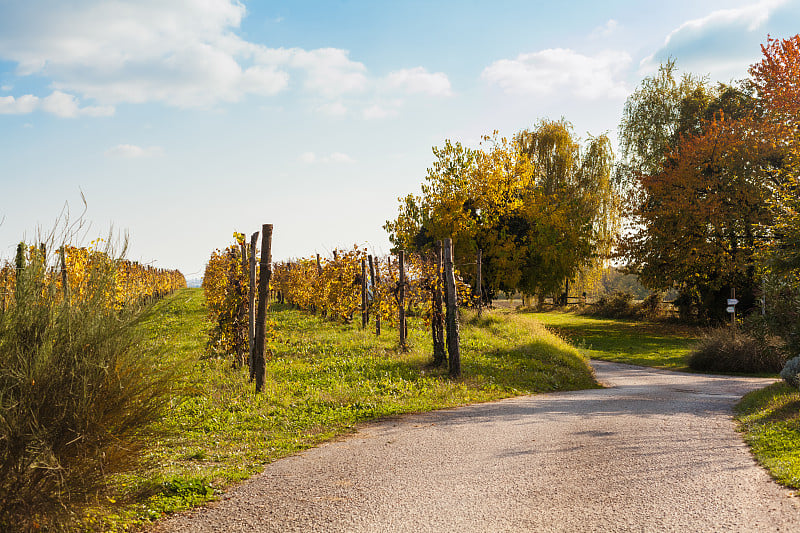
<point x="322" y="379"/>
<point x="642" y="343"/>
<point x="770" y="421"/>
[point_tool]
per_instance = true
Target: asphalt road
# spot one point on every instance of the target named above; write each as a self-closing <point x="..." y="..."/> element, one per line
<point x="655" y="451"/>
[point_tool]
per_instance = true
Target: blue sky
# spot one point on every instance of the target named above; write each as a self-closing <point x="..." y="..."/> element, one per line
<point x="182" y="121"/>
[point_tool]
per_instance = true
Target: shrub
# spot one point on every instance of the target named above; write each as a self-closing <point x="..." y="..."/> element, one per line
<point x="78" y="390"/>
<point x="651" y="307"/>
<point x="720" y="351"/>
<point x="791" y="372"/>
<point x="618" y="305"/>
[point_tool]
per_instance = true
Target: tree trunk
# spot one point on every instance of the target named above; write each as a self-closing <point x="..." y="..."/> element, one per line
<point x="453" y="352"/>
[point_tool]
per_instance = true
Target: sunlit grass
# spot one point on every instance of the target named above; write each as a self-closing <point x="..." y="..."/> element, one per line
<point x="633" y="342"/>
<point x="322" y="379"/>
<point x="770" y="421"/>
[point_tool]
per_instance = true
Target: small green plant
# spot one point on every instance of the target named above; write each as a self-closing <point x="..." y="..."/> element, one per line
<point x="791" y="372"/>
<point x="721" y="350"/>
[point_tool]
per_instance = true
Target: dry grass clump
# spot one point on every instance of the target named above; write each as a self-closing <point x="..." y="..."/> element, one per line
<point x="77" y="394"/>
<point x="720" y="350"/>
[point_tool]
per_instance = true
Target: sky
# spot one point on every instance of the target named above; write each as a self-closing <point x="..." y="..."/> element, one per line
<point x="182" y="121"/>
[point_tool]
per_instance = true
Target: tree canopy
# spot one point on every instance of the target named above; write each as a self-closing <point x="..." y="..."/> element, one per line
<point x="703" y="179"/>
<point x="541" y="206"/>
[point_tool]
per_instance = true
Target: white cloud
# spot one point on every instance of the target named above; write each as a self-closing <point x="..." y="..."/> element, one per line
<point x="264" y="80"/>
<point x="58" y="103"/>
<point x="382" y="110"/>
<point x="66" y="106"/>
<point x="723" y="43"/>
<point x="133" y="151"/>
<point x="183" y="53"/>
<point x="606" y="30"/>
<point x="6" y="88"/>
<point x="308" y="158"/>
<point x="562" y="70"/>
<point x="329" y="71"/>
<point x="18" y="106"/>
<point x="419" y="81"/>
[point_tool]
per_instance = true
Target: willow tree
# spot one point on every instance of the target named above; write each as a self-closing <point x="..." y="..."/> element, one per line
<point x="654" y="116"/>
<point x="572" y="211"/>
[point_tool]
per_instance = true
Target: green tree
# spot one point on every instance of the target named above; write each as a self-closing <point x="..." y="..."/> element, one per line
<point x="653" y="117"/>
<point x="572" y="213"/>
<point x="539" y="207"/>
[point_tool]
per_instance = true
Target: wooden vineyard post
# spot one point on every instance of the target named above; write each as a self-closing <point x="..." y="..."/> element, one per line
<point x="19" y="264"/>
<point x="64" y="283"/>
<point x="251" y="302"/>
<point x="364" y="311"/>
<point x="480" y="281"/>
<point x="437" y="321"/>
<point x="401" y="299"/>
<point x="453" y="353"/>
<point x="375" y="277"/>
<point x="242" y="311"/>
<point x="259" y="363"/>
<point x="319" y="266"/>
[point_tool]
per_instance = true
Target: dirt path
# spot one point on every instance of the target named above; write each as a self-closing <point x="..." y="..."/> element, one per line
<point x="657" y="451"/>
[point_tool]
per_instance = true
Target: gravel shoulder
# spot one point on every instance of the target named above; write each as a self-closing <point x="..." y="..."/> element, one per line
<point x="655" y="451"/>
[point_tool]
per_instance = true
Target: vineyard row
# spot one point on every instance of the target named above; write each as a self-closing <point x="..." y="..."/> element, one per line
<point x="349" y="284"/>
<point x="71" y="276"/>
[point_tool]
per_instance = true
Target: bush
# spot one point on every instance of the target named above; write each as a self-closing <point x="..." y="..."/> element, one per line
<point x="651" y="307"/>
<point x="78" y="390"/>
<point x="720" y="351"/>
<point x="791" y="372"/>
<point x="618" y="305"/>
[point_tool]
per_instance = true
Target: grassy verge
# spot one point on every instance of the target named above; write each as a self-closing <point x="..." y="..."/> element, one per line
<point x="624" y="341"/>
<point x="770" y="421"/>
<point x="322" y="379"/>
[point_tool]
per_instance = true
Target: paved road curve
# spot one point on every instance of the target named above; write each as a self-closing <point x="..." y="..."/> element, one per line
<point x="656" y="451"/>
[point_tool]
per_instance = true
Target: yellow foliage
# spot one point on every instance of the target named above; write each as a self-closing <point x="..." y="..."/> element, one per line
<point x="334" y="288"/>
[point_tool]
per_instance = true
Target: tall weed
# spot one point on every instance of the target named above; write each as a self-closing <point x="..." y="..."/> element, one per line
<point x="78" y="391"/>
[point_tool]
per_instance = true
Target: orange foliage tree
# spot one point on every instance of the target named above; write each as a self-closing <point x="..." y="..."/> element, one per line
<point x="777" y="77"/>
<point x="705" y="214"/>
